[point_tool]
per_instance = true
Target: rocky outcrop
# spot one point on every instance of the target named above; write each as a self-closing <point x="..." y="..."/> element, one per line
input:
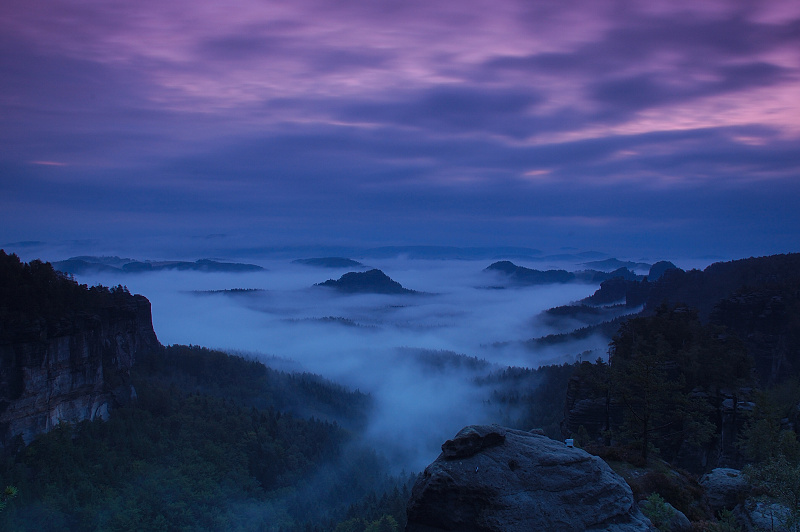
<point x="70" y="369"/>
<point x="758" y="515"/>
<point x="489" y="478"/>
<point x="724" y="487"/>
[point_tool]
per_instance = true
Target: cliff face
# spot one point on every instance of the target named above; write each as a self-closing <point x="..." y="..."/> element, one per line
<point x="71" y="368"/>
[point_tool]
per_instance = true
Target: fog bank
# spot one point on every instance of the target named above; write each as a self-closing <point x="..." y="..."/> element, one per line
<point x="369" y="341"/>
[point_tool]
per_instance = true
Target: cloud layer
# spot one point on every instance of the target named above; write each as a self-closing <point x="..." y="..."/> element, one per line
<point x="666" y="124"/>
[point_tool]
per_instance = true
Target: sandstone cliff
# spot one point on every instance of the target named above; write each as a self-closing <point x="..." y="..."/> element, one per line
<point x="64" y="365"/>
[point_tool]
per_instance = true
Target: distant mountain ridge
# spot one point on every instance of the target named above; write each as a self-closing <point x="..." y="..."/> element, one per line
<point x="84" y="264"/>
<point x="615" y="264"/>
<point x="523" y="276"/>
<point x="329" y="262"/>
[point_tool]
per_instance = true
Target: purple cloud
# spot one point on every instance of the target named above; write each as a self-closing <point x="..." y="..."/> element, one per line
<point x="504" y="116"/>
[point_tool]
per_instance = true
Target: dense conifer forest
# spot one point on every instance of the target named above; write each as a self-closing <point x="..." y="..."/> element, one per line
<point x="210" y="443"/>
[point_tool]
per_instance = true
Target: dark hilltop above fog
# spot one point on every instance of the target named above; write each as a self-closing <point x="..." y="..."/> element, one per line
<point x="658" y="269"/>
<point x="369" y="282"/>
<point x="527" y="276"/>
<point x="519" y="275"/>
<point x="79" y="265"/>
<point x="330" y="262"/>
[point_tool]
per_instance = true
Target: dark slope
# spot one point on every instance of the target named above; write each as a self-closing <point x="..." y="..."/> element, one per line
<point x="756" y="298"/>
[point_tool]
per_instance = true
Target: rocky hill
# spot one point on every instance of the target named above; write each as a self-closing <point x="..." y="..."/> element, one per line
<point x="370" y="282"/>
<point x="66" y="350"/>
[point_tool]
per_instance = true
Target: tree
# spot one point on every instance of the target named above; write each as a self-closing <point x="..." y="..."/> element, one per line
<point x="9" y="493"/>
<point x="779" y="479"/>
<point x="641" y="380"/>
<point x="660" y="367"/>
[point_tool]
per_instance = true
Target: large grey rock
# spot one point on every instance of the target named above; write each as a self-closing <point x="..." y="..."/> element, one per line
<point x="757" y="515"/>
<point x="489" y="478"/>
<point x="724" y="487"/>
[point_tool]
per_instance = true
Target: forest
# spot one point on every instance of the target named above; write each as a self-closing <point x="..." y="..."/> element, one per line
<point x="210" y="443"/>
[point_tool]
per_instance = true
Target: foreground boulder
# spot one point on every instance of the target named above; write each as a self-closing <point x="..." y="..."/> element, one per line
<point x="489" y="478"/>
<point x="724" y="488"/>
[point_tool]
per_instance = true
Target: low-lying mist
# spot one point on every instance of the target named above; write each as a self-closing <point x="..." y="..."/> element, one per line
<point x="372" y="342"/>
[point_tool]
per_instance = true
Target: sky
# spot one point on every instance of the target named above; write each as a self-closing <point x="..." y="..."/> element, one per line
<point x="658" y="127"/>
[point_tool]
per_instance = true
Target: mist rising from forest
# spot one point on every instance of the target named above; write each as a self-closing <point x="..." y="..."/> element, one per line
<point x="372" y="342"/>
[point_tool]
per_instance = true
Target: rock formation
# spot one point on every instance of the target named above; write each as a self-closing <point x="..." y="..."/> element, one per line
<point x="74" y="372"/>
<point x="489" y="478"/>
<point x="66" y="350"/>
<point x="724" y="487"/>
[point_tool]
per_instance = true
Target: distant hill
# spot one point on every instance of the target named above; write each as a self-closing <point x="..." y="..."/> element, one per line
<point x="527" y="276"/>
<point x="450" y="252"/>
<point x="658" y="269"/>
<point x="613" y="264"/>
<point x="520" y="275"/>
<point x="329" y="262"/>
<point x="370" y="282"/>
<point x="85" y="264"/>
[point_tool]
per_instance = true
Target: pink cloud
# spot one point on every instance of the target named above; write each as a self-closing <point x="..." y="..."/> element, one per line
<point x="49" y="163"/>
<point x="204" y="56"/>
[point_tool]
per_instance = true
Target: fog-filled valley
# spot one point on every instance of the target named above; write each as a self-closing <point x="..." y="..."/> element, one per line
<point x="379" y="266"/>
<point x="312" y="393"/>
<point x="417" y="355"/>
